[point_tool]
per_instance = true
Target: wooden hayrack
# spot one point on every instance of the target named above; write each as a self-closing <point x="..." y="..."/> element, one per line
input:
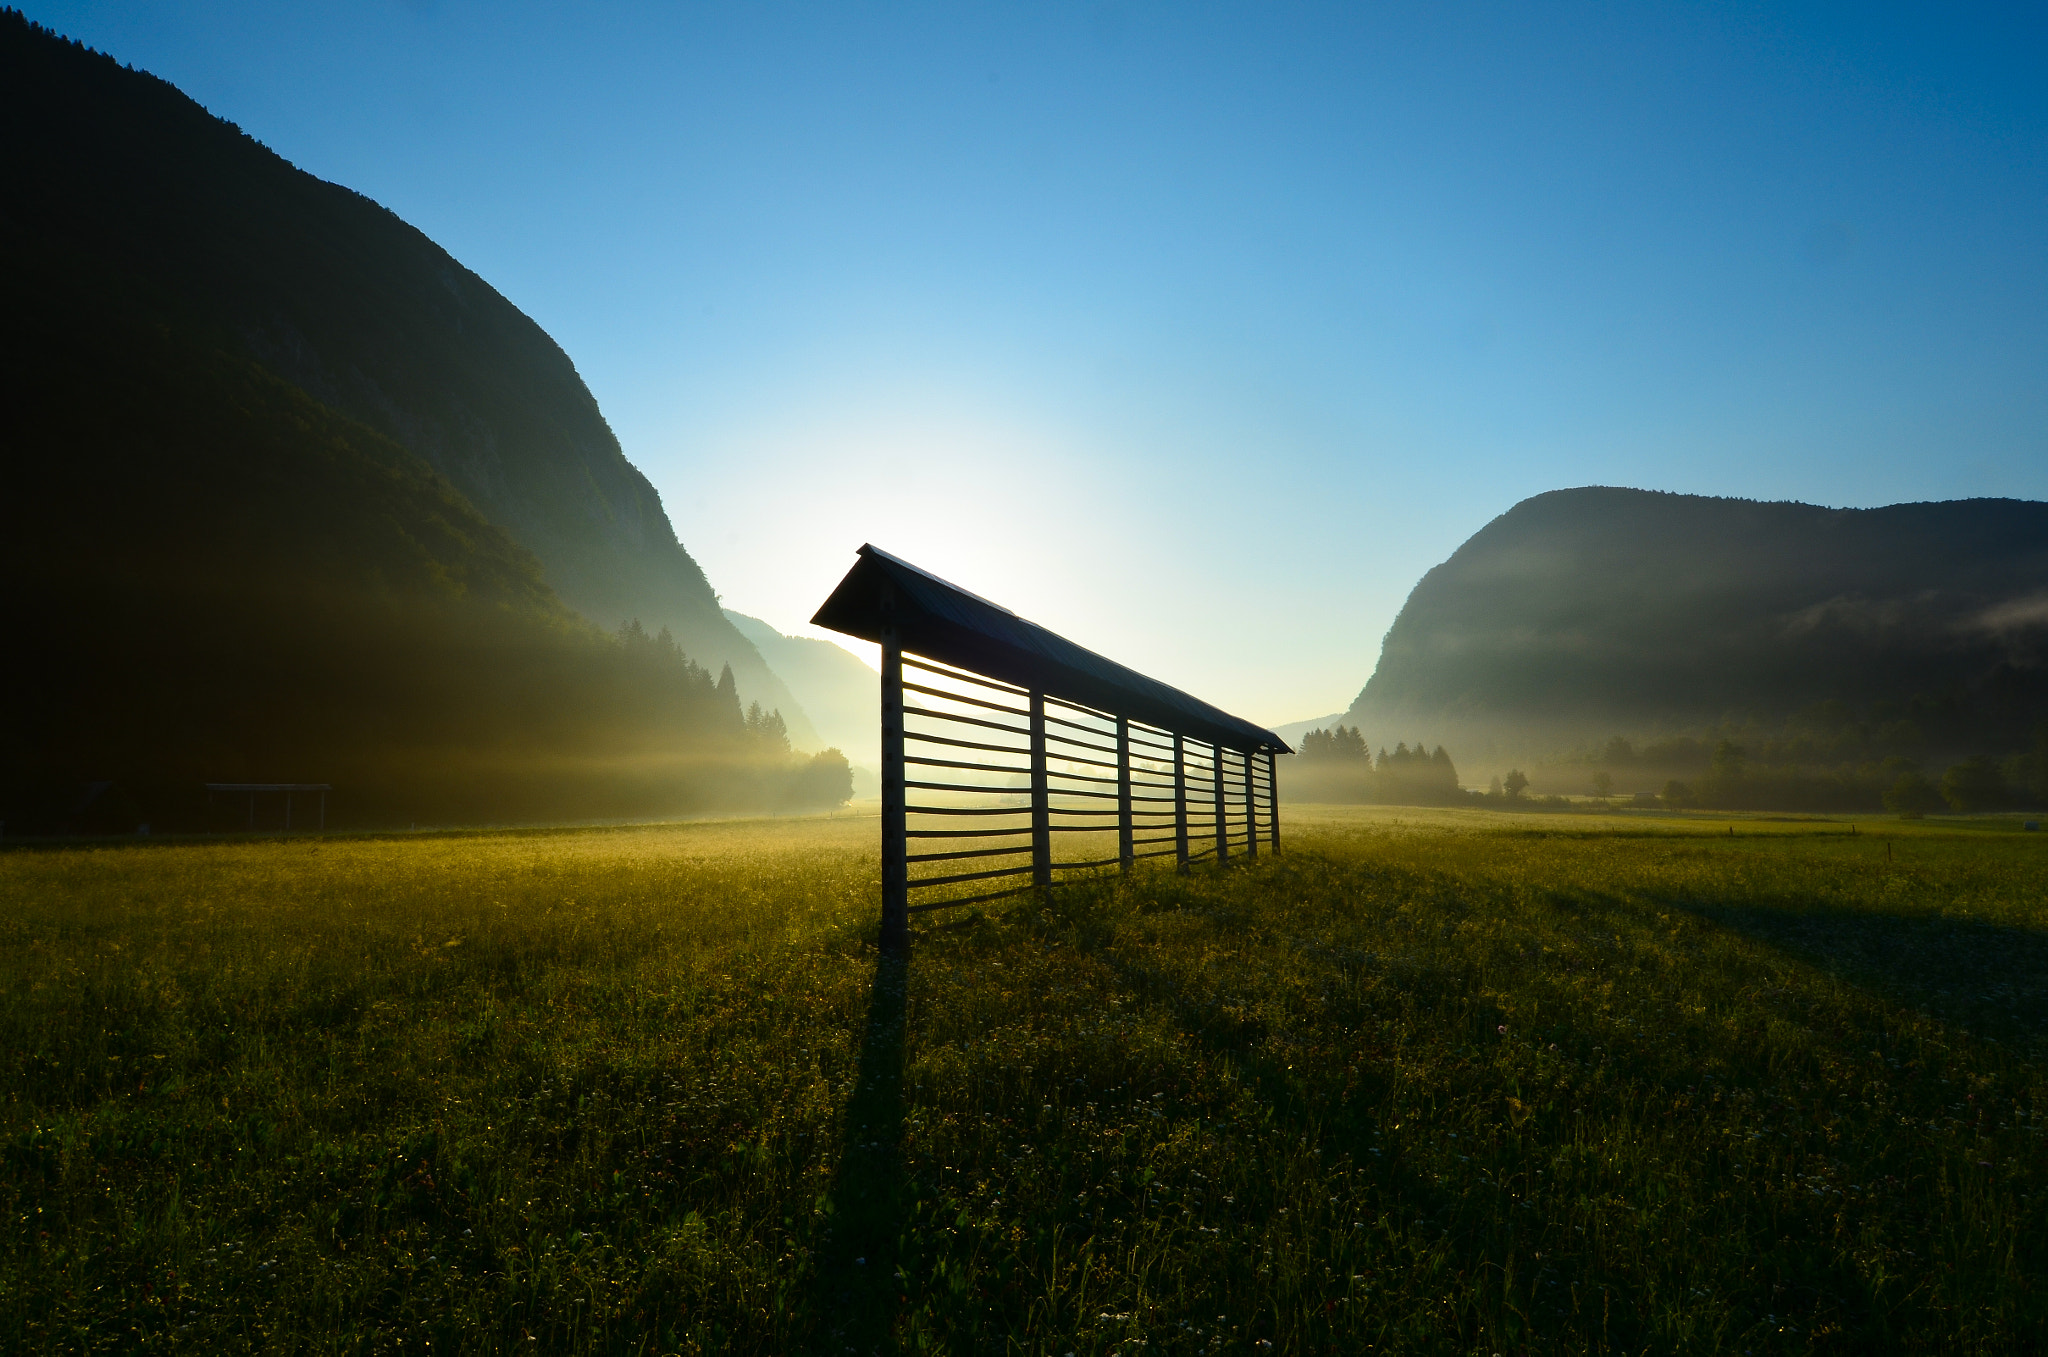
<point x="1015" y="738"/>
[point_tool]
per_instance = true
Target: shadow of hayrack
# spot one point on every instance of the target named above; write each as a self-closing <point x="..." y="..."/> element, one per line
<point x="856" y="1291"/>
<point x="1989" y="978"/>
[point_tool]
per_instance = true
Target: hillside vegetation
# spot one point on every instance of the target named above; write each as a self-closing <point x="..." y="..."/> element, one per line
<point x="117" y="184"/>
<point x="839" y="693"/>
<point x="224" y="567"/>
<point x="1427" y="1081"/>
<point x="1821" y="760"/>
<point x="1337" y="766"/>
<point x="1835" y="650"/>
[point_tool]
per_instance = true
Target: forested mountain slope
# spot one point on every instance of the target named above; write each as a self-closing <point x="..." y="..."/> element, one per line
<point x="214" y="575"/>
<point x="1584" y="613"/>
<point x="113" y="180"/>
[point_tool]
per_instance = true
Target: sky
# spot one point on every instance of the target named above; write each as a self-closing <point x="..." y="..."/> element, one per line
<point x="1199" y="333"/>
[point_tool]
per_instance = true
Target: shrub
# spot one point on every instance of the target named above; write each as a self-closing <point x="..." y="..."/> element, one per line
<point x="1911" y="797"/>
<point x="1975" y="784"/>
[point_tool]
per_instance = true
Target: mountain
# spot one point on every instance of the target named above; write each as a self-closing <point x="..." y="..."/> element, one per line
<point x="113" y="180"/>
<point x="215" y="574"/>
<point x="839" y="693"/>
<point x="1584" y="613"/>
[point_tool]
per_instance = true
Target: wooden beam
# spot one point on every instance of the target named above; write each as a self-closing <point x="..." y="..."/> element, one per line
<point x="1222" y="821"/>
<point x="895" y="823"/>
<point x="1125" y="830"/>
<point x="1251" y="810"/>
<point x="1180" y="803"/>
<point x="1041" y="798"/>
<point x="1273" y="787"/>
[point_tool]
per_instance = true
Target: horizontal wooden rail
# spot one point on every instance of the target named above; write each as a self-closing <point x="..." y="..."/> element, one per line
<point x="1064" y="770"/>
<point x="967" y="853"/>
<point x="971" y="767"/>
<point x="934" y="667"/>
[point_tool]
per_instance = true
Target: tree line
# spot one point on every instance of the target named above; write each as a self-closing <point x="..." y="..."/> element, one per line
<point x="1829" y="757"/>
<point x="1976" y="784"/>
<point x="1335" y="764"/>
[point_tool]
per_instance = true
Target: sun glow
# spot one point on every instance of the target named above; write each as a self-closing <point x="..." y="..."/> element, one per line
<point x="1014" y="513"/>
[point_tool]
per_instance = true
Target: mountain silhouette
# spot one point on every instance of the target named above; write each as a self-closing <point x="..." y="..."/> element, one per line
<point x="116" y="182"/>
<point x="1581" y="613"/>
<point x="292" y="497"/>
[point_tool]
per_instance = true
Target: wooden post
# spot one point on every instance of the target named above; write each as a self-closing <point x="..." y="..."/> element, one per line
<point x="1041" y="798"/>
<point x="1273" y="789"/>
<point x="1180" y="804"/>
<point x="1222" y="820"/>
<point x="895" y="820"/>
<point x="1251" y="810"/>
<point x="1126" y="851"/>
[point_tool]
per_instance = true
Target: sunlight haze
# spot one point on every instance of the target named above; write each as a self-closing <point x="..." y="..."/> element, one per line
<point x="1201" y="334"/>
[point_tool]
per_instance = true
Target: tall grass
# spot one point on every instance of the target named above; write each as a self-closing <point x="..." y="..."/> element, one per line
<point x="1428" y="1081"/>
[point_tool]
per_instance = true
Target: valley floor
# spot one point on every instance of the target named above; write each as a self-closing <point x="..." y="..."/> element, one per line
<point x="1428" y="1081"/>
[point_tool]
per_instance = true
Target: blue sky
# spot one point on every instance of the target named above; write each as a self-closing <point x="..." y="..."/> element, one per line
<point x="1201" y="332"/>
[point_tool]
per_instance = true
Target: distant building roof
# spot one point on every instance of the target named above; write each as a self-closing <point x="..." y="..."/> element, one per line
<point x="944" y="622"/>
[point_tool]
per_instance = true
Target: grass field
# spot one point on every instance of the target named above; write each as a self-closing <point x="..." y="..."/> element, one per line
<point x="1427" y="1082"/>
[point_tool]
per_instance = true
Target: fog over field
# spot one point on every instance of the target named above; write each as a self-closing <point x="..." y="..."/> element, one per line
<point x="302" y="496"/>
<point x="1076" y="680"/>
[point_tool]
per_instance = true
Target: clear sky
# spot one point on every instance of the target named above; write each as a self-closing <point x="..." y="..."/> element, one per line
<point x="1200" y="332"/>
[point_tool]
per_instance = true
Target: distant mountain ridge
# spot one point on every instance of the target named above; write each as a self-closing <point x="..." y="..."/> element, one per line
<point x="838" y="691"/>
<point x="1584" y="612"/>
<point x="118" y="181"/>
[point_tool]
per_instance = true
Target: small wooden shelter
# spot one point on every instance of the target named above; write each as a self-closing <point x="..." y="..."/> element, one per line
<point x="1012" y="735"/>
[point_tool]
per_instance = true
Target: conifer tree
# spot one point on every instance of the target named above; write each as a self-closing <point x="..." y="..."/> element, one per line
<point x="729" y="696"/>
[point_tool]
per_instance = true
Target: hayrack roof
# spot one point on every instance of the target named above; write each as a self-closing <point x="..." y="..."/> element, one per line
<point x="942" y="621"/>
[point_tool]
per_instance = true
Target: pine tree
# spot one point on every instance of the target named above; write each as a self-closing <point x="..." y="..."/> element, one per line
<point x="729" y="698"/>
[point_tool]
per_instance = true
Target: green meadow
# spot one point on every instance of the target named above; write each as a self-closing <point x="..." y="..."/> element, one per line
<point x="1425" y="1082"/>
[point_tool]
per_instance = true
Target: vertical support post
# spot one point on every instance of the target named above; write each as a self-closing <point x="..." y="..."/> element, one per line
<point x="1180" y="804"/>
<point x="1126" y="851"/>
<point x="895" y="820"/>
<point x="1273" y="789"/>
<point x="1222" y="819"/>
<point x="1251" y="808"/>
<point x="1041" y="798"/>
